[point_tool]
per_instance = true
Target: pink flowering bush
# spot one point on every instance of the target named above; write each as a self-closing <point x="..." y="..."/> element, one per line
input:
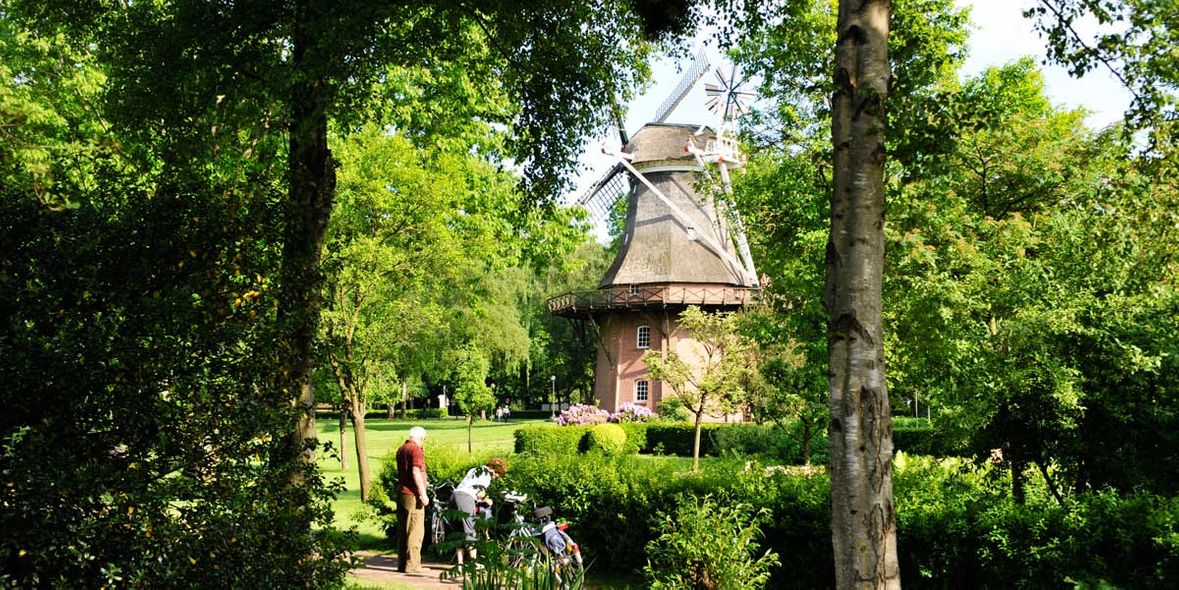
<point x="629" y="412"/>
<point x="582" y="414"/>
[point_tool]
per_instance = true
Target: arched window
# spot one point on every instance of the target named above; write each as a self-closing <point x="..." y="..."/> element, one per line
<point x="642" y="390"/>
<point x="643" y="337"/>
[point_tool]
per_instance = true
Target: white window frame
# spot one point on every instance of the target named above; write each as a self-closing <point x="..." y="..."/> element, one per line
<point x="639" y="339"/>
<point x="642" y="391"/>
<point x="634" y="291"/>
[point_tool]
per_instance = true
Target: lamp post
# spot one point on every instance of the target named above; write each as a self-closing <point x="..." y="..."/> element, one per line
<point x="553" y="397"/>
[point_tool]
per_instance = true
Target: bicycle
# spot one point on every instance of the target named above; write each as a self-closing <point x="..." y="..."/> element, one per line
<point x="444" y="519"/>
<point x="548" y="542"/>
<point x="439" y="522"/>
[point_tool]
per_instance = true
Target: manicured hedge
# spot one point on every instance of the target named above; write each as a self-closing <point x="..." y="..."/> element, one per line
<point x="746" y="439"/>
<point x="549" y="439"/>
<point x="636" y="436"/>
<point x="607" y="438"/>
<point x="676" y="438"/>
<point x="957" y="526"/>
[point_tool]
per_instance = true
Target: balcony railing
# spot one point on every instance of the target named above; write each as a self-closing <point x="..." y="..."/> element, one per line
<point x="581" y="302"/>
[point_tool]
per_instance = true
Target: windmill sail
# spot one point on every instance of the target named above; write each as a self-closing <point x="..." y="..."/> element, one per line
<point x="600" y="197"/>
<point x="604" y="193"/>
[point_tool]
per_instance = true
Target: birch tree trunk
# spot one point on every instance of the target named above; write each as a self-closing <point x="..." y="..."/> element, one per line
<point x="863" y="522"/>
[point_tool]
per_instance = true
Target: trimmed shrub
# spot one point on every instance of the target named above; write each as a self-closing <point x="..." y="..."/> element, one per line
<point x="764" y="440"/>
<point x="676" y="438"/>
<point x="636" y="436"/>
<point x="607" y="438"/>
<point x="916" y="439"/>
<point x="549" y="438"/>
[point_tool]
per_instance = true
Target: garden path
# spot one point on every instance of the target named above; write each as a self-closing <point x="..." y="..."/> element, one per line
<point x="383" y="569"/>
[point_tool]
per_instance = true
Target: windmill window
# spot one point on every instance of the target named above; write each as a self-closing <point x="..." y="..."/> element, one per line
<point x="634" y="290"/>
<point x="642" y="389"/>
<point x="643" y="337"/>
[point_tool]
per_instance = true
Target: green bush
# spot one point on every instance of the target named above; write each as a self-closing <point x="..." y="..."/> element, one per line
<point x="708" y="543"/>
<point x="607" y="438"/>
<point x="676" y="438"/>
<point x="549" y="438"/>
<point x="761" y="440"/>
<point x="957" y="526"/>
<point x="636" y="436"/>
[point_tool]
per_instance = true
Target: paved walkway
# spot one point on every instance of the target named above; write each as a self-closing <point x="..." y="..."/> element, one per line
<point x="383" y="568"/>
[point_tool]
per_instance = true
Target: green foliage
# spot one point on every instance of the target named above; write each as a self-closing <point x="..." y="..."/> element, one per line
<point x="471" y="393"/>
<point x="492" y="570"/>
<point x="607" y="438"/>
<point x="549" y="439"/>
<point x="636" y="436"/>
<point x="1029" y="292"/>
<point x="1134" y="39"/>
<point x="142" y="443"/>
<point x="917" y="439"/>
<point x="957" y="525"/>
<point x="707" y="543"/>
<point x="613" y="503"/>
<point x="673" y="438"/>
<point x="712" y="383"/>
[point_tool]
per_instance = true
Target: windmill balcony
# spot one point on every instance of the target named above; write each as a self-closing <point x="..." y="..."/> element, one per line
<point x="581" y="303"/>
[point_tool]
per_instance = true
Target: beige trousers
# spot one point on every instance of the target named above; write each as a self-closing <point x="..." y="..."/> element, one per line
<point x="411" y="530"/>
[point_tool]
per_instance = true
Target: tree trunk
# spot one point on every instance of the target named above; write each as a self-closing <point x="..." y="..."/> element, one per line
<point x="1018" y="491"/>
<point x="808" y="434"/>
<point x="470" y="418"/>
<point x="312" y="184"/>
<point x="343" y="442"/>
<point x="358" y="410"/>
<point x="696" y="439"/>
<point x="389" y="411"/>
<point x="863" y="521"/>
<point x="404" y="399"/>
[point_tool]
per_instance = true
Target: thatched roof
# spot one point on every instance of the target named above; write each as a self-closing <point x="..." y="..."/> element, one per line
<point x="657" y="247"/>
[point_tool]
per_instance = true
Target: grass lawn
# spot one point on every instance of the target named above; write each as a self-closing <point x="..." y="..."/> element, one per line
<point x="384" y="436"/>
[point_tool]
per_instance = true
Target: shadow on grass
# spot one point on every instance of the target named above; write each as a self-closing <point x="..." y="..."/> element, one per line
<point x="377" y="542"/>
<point x="448" y="423"/>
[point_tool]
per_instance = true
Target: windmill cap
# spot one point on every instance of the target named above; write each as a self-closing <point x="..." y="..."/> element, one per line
<point x="661" y="142"/>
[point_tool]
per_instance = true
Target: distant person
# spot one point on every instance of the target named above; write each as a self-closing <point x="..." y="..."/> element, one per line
<point x="471" y="494"/>
<point x="411" y="501"/>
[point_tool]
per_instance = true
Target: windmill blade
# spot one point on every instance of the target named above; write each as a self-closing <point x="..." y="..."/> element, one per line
<point x="699" y="67"/>
<point x="601" y="196"/>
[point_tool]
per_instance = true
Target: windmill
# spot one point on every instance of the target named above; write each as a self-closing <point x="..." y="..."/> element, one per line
<point x="680" y="245"/>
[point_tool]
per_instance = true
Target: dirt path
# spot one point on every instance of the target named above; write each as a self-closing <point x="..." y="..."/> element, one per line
<point x="383" y="568"/>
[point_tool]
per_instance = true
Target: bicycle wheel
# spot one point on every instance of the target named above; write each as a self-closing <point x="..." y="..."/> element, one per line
<point x="437" y="528"/>
<point x="520" y="549"/>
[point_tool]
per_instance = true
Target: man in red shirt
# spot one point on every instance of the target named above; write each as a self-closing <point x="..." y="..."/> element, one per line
<point x="411" y="501"/>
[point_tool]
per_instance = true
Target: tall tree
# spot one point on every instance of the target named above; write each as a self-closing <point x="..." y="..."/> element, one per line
<point x="233" y="71"/>
<point x="863" y="514"/>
